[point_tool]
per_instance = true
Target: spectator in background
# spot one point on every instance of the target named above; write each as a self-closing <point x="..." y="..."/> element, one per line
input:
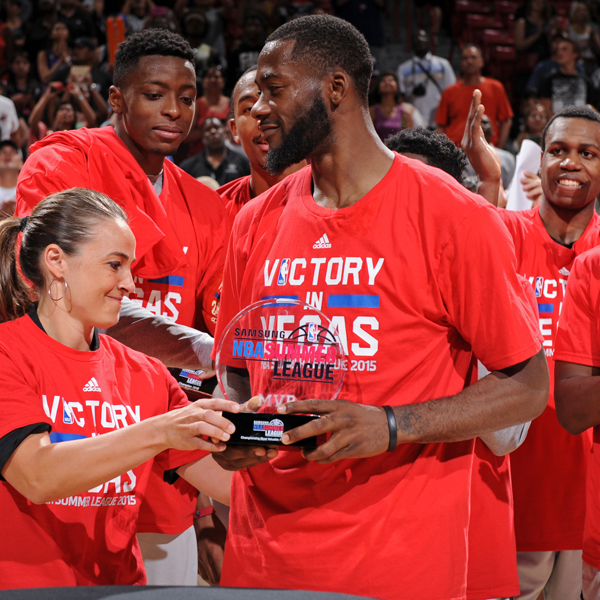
<point x="244" y="53"/>
<point x="136" y="13"/>
<point x="269" y="11"/>
<point x="85" y="94"/>
<point x="22" y="88"/>
<point x="54" y="63"/>
<point x="211" y="104"/>
<point x="216" y="160"/>
<point x="37" y="34"/>
<point x="162" y="17"/>
<point x="585" y="34"/>
<point x="566" y="86"/>
<point x="455" y="103"/>
<point x="531" y="30"/>
<point x="14" y="23"/>
<point x="84" y="55"/>
<point x="9" y="122"/>
<point x="76" y="19"/>
<point x="51" y="114"/>
<point x="389" y="114"/>
<point x="195" y="28"/>
<point x="218" y="17"/>
<point x="424" y="77"/>
<point x="10" y="167"/>
<point x="536" y="117"/>
<point x="547" y="66"/>
<point x="367" y="17"/>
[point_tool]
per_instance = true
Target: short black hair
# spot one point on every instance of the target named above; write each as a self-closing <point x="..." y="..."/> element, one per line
<point x="472" y="45"/>
<point x="148" y="42"/>
<point x="235" y="87"/>
<point x="571" y="112"/>
<point x="437" y="148"/>
<point x="572" y="43"/>
<point x="325" y="43"/>
<point x="64" y="103"/>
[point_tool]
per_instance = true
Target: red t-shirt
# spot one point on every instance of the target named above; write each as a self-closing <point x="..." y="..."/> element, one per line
<point x="405" y="277"/>
<point x="455" y="103"/>
<point x="578" y="341"/>
<point x="549" y="468"/>
<point x="87" y="539"/>
<point x="235" y="194"/>
<point x="180" y="236"/>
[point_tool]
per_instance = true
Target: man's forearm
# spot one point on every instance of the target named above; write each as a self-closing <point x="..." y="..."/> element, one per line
<point x="577" y="396"/>
<point x="174" y="345"/>
<point x="501" y="399"/>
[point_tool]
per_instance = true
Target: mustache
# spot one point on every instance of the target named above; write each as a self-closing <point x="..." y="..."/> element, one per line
<point x="271" y="122"/>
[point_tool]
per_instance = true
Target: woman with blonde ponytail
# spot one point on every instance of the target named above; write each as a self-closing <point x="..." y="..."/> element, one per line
<point x="81" y="416"/>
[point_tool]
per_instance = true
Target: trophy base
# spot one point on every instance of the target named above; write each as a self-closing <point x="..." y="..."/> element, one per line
<point x="266" y="429"/>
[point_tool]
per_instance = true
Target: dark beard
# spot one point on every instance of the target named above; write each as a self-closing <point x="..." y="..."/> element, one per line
<point x="308" y="131"/>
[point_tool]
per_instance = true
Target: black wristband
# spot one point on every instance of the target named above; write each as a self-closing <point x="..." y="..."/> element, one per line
<point x="393" y="427"/>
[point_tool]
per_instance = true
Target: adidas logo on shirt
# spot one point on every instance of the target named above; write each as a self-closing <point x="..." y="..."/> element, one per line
<point x="92" y="386"/>
<point x="564" y="271"/>
<point x="322" y="243"/>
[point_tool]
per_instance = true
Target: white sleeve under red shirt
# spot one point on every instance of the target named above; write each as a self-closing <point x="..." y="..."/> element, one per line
<point x="549" y="469"/>
<point x="87" y="539"/>
<point x="412" y="278"/>
<point x="578" y="341"/>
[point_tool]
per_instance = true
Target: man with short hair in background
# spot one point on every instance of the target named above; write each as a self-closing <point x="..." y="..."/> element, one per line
<point x="424" y="77"/>
<point x="452" y="113"/>
<point x="216" y="160"/>
<point x="566" y="86"/>
<point x="244" y="127"/>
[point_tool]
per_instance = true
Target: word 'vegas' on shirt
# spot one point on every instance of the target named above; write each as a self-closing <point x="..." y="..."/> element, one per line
<point x="161" y="302"/>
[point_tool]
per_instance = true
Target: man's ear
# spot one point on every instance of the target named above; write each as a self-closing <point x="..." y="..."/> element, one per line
<point x="234" y="132"/>
<point x="339" y="85"/>
<point x="116" y="100"/>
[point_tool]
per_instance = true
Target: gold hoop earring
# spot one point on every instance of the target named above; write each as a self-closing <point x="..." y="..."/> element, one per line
<point x="50" y="289"/>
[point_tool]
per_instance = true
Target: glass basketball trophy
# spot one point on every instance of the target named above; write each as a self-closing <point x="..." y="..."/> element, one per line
<point x="292" y="352"/>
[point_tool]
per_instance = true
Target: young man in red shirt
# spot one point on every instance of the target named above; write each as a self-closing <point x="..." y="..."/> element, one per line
<point x="577" y="376"/>
<point x="245" y="131"/>
<point x="455" y="102"/>
<point x="406" y="278"/>
<point x="549" y="517"/>
<point x="180" y="227"/>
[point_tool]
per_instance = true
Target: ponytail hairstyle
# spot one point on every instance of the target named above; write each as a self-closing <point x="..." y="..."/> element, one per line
<point x="68" y="219"/>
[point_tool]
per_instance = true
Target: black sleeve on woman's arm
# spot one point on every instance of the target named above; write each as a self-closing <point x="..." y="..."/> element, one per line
<point x="10" y="442"/>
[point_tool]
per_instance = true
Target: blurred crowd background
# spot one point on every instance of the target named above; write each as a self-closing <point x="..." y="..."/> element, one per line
<point x="55" y="66"/>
